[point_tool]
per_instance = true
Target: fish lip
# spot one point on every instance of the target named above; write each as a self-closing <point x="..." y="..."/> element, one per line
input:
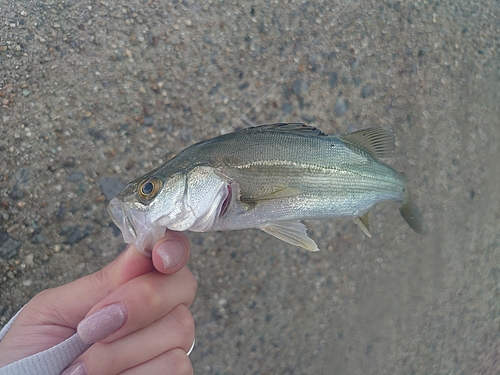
<point x="120" y="214"/>
<point x="136" y="226"/>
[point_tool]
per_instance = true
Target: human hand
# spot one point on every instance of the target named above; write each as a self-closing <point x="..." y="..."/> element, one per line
<point x="135" y="309"/>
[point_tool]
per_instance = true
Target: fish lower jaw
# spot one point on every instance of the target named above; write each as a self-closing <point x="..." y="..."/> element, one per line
<point x="145" y="243"/>
<point x="190" y="222"/>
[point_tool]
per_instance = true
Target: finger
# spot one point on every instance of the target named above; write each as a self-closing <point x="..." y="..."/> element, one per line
<point x="137" y="304"/>
<point x="54" y="314"/>
<point x="171" y="253"/>
<point x="174" y="330"/>
<point x="173" y="362"/>
<point x="69" y="303"/>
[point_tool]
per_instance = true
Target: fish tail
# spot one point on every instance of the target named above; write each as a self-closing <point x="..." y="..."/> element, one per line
<point x="412" y="214"/>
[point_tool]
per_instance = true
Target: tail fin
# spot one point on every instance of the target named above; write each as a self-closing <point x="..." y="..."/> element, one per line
<point x="412" y="214"/>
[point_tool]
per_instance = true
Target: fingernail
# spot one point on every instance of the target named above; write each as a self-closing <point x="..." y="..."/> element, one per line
<point x="171" y="253"/>
<point x="77" y="369"/>
<point x="102" y="323"/>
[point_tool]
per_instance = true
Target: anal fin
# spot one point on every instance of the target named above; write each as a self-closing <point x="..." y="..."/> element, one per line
<point x="293" y="232"/>
<point x="363" y="224"/>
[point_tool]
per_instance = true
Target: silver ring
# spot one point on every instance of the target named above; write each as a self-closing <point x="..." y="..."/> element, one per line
<point x="192" y="347"/>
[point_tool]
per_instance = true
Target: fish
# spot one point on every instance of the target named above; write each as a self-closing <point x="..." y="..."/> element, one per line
<point x="268" y="177"/>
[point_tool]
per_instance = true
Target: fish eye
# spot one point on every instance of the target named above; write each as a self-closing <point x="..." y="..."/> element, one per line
<point x="149" y="188"/>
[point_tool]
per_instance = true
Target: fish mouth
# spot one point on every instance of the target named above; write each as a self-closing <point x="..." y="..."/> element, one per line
<point x="136" y="226"/>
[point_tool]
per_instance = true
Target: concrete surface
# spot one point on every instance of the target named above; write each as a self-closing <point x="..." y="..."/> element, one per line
<point x="95" y="93"/>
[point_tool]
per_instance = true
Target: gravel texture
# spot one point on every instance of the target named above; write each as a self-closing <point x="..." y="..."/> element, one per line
<point x="96" y="93"/>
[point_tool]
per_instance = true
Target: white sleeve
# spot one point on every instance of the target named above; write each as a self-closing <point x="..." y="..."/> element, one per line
<point x="51" y="361"/>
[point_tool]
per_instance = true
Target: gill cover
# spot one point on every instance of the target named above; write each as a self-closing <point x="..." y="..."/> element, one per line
<point x="185" y="201"/>
<point x="206" y="193"/>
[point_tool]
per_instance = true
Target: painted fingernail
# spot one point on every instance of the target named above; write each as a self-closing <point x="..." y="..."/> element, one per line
<point x="102" y="323"/>
<point x="171" y="253"/>
<point x="77" y="369"/>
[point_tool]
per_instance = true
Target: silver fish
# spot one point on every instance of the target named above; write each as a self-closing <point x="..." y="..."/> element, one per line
<point x="267" y="177"/>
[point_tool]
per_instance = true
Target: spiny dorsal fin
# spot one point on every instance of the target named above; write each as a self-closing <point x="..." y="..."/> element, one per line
<point x="286" y="127"/>
<point x="282" y="193"/>
<point x="378" y="142"/>
<point x="293" y="232"/>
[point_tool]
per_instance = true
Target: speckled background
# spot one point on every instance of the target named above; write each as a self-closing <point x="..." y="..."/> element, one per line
<point x="95" y="93"/>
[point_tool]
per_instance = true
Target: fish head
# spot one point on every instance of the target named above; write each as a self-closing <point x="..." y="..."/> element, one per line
<point x="149" y="205"/>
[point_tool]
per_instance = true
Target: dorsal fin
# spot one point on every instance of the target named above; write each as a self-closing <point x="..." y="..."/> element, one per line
<point x="286" y="127"/>
<point x="378" y="142"/>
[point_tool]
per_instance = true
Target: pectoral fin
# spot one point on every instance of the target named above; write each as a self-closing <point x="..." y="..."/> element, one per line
<point x="282" y="193"/>
<point x="293" y="232"/>
<point x="363" y="224"/>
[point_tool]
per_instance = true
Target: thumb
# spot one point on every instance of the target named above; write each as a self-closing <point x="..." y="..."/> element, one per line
<point x="171" y="253"/>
